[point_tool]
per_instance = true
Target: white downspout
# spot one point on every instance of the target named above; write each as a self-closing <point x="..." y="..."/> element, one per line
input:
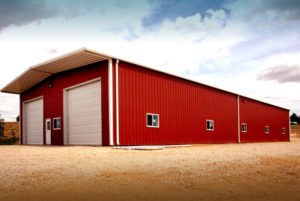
<point x="20" y="120"/>
<point x="117" y="102"/>
<point x="238" y="109"/>
<point x="110" y="102"/>
<point x="290" y="131"/>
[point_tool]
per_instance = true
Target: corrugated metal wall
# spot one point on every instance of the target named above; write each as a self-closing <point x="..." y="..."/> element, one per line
<point x="53" y="97"/>
<point x="257" y="115"/>
<point x="183" y="108"/>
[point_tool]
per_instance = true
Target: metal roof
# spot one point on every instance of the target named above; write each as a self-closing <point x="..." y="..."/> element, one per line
<point x="37" y="73"/>
<point x="75" y="59"/>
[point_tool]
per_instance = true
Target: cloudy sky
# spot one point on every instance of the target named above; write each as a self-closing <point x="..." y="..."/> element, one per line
<point x="251" y="47"/>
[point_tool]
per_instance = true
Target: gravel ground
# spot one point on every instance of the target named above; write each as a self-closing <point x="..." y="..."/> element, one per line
<point x="256" y="171"/>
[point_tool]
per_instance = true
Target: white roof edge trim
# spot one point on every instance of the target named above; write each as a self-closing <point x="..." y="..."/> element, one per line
<point x="195" y="81"/>
<point x="81" y="50"/>
<point x="87" y="50"/>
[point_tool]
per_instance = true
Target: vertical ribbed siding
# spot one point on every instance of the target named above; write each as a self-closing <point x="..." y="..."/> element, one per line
<point x="53" y="97"/>
<point x="258" y="115"/>
<point x="183" y="108"/>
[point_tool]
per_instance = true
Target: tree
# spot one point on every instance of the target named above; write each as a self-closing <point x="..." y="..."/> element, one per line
<point x="295" y="118"/>
<point x="1" y="119"/>
<point x="18" y="118"/>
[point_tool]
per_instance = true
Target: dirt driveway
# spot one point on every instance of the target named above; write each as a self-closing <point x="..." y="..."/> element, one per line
<point x="258" y="171"/>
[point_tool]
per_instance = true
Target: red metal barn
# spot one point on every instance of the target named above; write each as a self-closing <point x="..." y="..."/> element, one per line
<point x="89" y="98"/>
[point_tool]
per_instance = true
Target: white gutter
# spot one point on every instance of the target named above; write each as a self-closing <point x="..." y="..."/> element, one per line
<point x="238" y="111"/>
<point x="110" y="103"/>
<point x="117" y="102"/>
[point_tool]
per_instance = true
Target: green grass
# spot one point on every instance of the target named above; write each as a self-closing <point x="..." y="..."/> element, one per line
<point x="8" y="141"/>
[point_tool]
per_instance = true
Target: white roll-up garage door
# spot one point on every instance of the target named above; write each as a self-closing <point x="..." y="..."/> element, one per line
<point x="33" y="113"/>
<point x="84" y="114"/>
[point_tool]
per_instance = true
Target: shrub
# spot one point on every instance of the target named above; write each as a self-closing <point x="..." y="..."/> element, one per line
<point x="8" y="141"/>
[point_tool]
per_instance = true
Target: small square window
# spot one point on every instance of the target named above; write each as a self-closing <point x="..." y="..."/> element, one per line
<point x="283" y="130"/>
<point x="210" y="125"/>
<point x="267" y="129"/>
<point x="152" y="120"/>
<point x="244" y="127"/>
<point x="57" y="123"/>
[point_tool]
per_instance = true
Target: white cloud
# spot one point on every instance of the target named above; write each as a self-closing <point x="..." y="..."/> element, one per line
<point x="9" y="106"/>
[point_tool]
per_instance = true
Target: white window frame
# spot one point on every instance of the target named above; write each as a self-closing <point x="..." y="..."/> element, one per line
<point x="283" y="129"/>
<point x="208" y="120"/>
<point x="244" y="131"/>
<point x="152" y="114"/>
<point x="56" y="123"/>
<point x="267" y="132"/>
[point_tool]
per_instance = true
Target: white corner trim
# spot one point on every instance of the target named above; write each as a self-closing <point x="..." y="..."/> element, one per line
<point x="20" y="120"/>
<point x="110" y="102"/>
<point x="117" y="102"/>
<point x="238" y="113"/>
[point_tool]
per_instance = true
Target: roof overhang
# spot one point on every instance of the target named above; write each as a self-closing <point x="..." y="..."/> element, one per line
<point x="38" y="73"/>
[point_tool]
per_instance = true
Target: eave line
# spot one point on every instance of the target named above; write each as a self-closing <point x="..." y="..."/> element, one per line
<point x="41" y="71"/>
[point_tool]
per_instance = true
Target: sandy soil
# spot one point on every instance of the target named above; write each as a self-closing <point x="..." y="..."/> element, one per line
<point x="257" y="171"/>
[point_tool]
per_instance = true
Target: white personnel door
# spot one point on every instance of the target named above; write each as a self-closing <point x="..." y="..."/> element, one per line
<point x="48" y="131"/>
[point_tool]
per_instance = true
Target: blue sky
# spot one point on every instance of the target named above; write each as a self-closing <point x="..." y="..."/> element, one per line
<point x="248" y="47"/>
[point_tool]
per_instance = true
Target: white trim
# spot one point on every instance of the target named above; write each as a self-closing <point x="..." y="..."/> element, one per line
<point x="152" y="114"/>
<point x="65" y="108"/>
<point x="238" y="111"/>
<point x="268" y="129"/>
<point x="33" y="99"/>
<point x="213" y="125"/>
<point x="110" y="103"/>
<point x="83" y="83"/>
<point x="55" y="118"/>
<point x="117" y="103"/>
<point x="24" y="121"/>
<point x="177" y="76"/>
<point x="246" y="128"/>
<point x="65" y="116"/>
